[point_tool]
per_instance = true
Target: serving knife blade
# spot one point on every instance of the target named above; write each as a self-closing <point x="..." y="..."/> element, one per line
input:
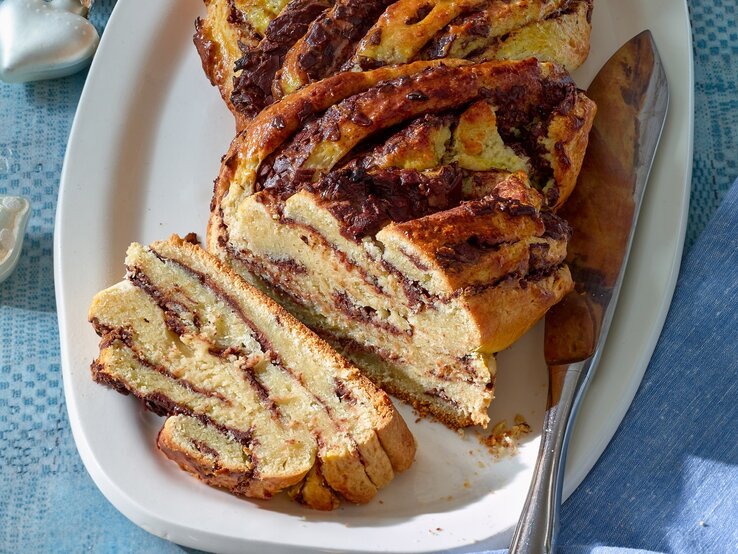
<point x="631" y="94"/>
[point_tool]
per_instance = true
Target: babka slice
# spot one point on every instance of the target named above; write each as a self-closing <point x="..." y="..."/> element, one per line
<point x="257" y="52"/>
<point x="409" y="221"/>
<point x="256" y="402"/>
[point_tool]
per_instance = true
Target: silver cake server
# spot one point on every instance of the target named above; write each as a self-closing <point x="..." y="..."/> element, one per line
<point x="631" y="94"/>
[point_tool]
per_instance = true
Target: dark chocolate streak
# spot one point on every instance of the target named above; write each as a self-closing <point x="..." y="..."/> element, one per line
<point x="180" y="381"/>
<point x="523" y="119"/>
<point x="356" y="352"/>
<point x="340" y="254"/>
<point x="332" y="38"/>
<point x="173" y="309"/>
<point x="417" y="295"/>
<point x="162" y="405"/>
<point x="252" y="88"/>
<point x="257" y="268"/>
<point x="110" y="335"/>
<point x="140" y="279"/>
<point x="203" y="448"/>
<point x="207" y="471"/>
<point x="352" y="348"/>
<point x="570" y="8"/>
<point x="263" y="341"/>
<point x="497" y="203"/>
<point x="420" y="14"/>
<point x="343" y="393"/>
<point x="477" y="25"/>
<point x="208" y="283"/>
<point x="366" y="201"/>
<point x="99" y="375"/>
<point x="261" y="391"/>
<point x="364" y="314"/>
<point x="523" y="280"/>
<point x="556" y="227"/>
<point x="124" y="337"/>
<point x="442" y="395"/>
<point x="537" y="256"/>
<point x="226" y="353"/>
<point x="288" y="265"/>
<point x="415" y="260"/>
<point x="235" y="16"/>
<point x="419" y="129"/>
<point x="453" y="256"/>
<point x="346" y="345"/>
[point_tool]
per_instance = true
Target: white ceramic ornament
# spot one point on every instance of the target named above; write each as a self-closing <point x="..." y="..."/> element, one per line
<point x="44" y="39"/>
<point x="14" y="212"/>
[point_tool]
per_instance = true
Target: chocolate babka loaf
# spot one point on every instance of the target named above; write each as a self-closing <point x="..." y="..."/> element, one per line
<point x="256" y="403"/>
<point x="256" y="52"/>
<point x="407" y="215"/>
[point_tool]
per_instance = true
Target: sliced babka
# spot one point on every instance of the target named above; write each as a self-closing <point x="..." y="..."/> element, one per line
<point x="258" y="51"/>
<point x="405" y="214"/>
<point x="256" y="402"/>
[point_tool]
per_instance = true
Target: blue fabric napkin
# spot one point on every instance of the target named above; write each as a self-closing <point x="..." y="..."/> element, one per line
<point x="668" y="482"/>
<point x="48" y="503"/>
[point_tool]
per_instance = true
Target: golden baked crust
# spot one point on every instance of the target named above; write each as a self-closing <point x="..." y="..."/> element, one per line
<point x="217" y="39"/>
<point x="256" y="402"/>
<point x="515" y="89"/>
<point x="301" y="42"/>
<point x="569" y="49"/>
<point x="275" y="124"/>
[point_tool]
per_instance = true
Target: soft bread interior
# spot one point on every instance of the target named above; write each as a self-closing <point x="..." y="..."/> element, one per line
<point x="190" y="338"/>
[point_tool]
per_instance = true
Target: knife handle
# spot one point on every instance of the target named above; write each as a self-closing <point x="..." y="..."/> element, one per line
<point x="538" y="525"/>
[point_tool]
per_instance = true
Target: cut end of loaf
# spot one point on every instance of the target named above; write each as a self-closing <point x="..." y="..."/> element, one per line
<point x="255" y="402"/>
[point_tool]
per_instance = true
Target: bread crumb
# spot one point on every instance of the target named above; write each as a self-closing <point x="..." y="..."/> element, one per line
<point x="467" y="485"/>
<point x="503" y="441"/>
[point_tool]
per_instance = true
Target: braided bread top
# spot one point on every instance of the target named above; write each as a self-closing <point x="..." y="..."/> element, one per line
<point x="257" y="52"/>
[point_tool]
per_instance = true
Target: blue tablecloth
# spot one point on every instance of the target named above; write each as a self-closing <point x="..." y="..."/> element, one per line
<point x="668" y="482"/>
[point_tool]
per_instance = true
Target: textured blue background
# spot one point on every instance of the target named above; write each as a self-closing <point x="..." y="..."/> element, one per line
<point x="48" y="503"/>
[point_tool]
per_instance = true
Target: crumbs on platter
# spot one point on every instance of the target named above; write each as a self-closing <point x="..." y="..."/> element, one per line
<point x="503" y="440"/>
